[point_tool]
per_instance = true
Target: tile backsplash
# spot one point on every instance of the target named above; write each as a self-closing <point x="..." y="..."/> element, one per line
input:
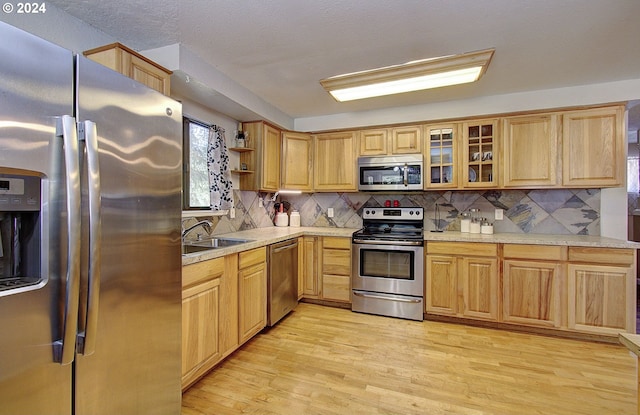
<point x="557" y="211"/>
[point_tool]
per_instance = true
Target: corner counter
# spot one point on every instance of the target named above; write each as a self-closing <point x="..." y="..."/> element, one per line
<point x="264" y="236"/>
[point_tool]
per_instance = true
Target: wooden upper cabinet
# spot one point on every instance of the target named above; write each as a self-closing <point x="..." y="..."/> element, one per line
<point x="265" y="140"/>
<point x="406" y="140"/>
<point x="479" y="153"/>
<point x="335" y="162"/>
<point x="593" y="143"/>
<point x="374" y="142"/>
<point x="441" y="156"/>
<point x="391" y="141"/>
<point x="297" y="161"/>
<point x="530" y="151"/>
<point x="130" y="63"/>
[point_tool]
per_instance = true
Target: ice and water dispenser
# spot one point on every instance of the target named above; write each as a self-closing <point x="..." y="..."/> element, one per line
<point x="20" y="231"/>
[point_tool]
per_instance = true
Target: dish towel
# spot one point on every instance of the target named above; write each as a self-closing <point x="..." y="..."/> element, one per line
<point x="220" y="185"/>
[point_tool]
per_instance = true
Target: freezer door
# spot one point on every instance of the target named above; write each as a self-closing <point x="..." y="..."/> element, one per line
<point x="35" y="90"/>
<point x="135" y="368"/>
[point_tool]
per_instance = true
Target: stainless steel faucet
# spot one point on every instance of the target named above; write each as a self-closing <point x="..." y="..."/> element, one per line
<point x="206" y="224"/>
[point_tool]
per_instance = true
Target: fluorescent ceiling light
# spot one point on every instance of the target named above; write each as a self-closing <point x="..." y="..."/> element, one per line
<point x="411" y="76"/>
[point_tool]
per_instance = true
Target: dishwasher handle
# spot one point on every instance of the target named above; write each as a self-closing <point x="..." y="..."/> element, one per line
<point x="276" y="249"/>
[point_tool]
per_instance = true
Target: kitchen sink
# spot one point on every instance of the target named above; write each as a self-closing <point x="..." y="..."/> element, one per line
<point x="213" y="243"/>
<point x="192" y="249"/>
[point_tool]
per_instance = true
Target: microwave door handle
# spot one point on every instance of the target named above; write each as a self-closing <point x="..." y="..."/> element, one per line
<point x="64" y="349"/>
<point x="87" y="338"/>
<point x="406" y="175"/>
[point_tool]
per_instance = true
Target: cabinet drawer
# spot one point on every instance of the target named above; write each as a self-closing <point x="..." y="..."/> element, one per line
<point x="542" y="252"/>
<point x="617" y="256"/>
<point x="336" y="261"/>
<point x="336" y="287"/>
<point x="336" y="243"/>
<point x="461" y="248"/>
<point x="202" y="271"/>
<point x="252" y="257"/>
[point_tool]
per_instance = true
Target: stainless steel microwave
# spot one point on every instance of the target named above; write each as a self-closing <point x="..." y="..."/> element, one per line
<point x="392" y="173"/>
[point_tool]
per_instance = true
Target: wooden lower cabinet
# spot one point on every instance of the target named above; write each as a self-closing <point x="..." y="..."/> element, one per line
<point x="531" y="293"/>
<point x="200" y="318"/>
<point x="223" y="306"/>
<point x="532" y="281"/>
<point x="228" y="328"/>
<point x="335" y="271"/>
<point x="602" y="290"/>
<point x="309" y="277"/>
<point x="480" y="288"/>
<point x="252" y="289"/>
<point x="441" y="285"/>
<point x="459" y="284"/>
<point x="572" y="289"/>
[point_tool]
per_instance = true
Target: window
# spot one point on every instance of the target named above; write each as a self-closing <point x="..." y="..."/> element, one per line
<point x="195" y="183"/>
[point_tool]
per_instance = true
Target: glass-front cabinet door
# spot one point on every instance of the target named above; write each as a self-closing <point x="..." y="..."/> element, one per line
<point x="441" y="156"/>
<point x="480" y="153"/>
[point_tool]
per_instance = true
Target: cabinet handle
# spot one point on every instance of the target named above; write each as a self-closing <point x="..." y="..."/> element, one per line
<point x="406" y="174"/>
<point x="284" y="248"/>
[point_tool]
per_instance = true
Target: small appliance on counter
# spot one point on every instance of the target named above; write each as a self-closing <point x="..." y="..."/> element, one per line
<point x="282" y="218"/>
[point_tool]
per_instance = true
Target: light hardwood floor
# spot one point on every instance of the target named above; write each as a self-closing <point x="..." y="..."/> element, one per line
<point x="322" y="360"/>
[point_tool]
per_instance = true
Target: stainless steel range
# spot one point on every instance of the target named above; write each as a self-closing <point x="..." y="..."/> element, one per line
<point x="388" y="263"/>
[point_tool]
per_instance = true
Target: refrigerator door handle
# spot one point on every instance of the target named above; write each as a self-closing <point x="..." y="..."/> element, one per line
<point x="86" y="341"/>
<point x="64" y="349"/>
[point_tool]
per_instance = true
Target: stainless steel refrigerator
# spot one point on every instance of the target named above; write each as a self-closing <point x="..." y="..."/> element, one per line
<point x="90" y="262"/>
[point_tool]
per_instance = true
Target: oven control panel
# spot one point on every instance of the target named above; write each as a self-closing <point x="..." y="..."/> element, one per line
<point x="399" y="213"/>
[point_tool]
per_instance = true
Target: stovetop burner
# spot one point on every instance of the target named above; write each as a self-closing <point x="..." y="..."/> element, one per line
<point x="388" y="224"/>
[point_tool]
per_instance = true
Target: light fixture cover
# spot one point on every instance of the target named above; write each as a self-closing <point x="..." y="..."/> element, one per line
<point x="411" y="76"/>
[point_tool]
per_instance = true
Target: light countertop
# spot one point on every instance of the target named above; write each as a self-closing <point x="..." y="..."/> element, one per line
<point x="631" y="341"/>
<point x="532" y="239"/>
<point x="265" y="236"/>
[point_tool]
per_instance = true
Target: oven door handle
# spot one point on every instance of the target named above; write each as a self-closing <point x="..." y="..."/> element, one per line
<point x="380" y="297"/>
<point x="381" y="242"/>
<point x="406" y="174"/>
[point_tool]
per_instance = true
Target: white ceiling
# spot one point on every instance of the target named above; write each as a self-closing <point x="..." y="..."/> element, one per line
<point x="280" y="49"/>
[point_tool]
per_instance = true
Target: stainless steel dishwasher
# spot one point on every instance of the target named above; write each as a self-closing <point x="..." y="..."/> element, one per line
<point x="282" y="282"/>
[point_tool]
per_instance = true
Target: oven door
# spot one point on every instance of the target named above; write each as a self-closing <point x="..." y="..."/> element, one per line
<point x="391" y="269"/>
